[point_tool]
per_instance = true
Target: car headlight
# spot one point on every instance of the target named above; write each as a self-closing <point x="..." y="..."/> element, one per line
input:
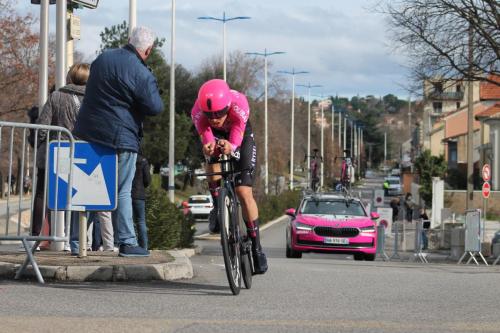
<point x="367" y="229"/>
<point x="302" y="226"/>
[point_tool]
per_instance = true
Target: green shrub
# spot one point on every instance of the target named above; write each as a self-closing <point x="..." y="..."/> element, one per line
<point x="167" y="225"/>
<point x="273" y="206"/>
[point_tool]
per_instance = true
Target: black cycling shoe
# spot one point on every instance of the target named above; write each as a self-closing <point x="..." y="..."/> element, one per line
<point x="213" y="222"/>
<point x="259" y="262"/>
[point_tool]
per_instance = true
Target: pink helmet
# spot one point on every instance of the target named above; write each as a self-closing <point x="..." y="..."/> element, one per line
<point x="214" y="97"/>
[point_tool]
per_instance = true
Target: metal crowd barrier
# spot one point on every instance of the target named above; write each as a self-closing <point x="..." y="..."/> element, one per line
<point x="417" y="252"/>
<point x="16" y="135"/>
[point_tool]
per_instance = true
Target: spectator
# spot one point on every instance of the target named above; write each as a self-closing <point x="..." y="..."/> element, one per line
<point x="409" y="207"/>
<point x="425" y="226"/>
<point x="61" y="109"/>
<point x="386" y="187"/>
<point x="121" y="91"/>
<point x="395" y="209"/>
<point x="142" y="179"/>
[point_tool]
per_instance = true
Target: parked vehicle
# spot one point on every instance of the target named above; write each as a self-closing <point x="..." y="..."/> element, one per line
<point x="395" y="187"/>
<point x="200" y="206"/>
<point x="331" y="223"/>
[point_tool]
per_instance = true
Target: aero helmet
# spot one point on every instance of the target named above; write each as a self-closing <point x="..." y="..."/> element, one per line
<point x="214" y="98"/>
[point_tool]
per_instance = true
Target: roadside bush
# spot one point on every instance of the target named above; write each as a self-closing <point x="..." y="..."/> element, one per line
<point x="168" y="227"/>
<point x="273" y="206"/>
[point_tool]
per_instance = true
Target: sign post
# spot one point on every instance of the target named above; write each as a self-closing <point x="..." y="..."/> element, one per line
<point x="94" y="181"/>
<point x="486" y="173"/>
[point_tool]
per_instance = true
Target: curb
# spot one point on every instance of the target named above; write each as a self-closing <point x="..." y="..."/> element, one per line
<point x="180" y="268"/>
<point x="209" y="236"/>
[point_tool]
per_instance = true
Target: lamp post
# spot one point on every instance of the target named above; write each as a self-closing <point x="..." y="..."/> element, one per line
<point x="132" y="16"/>
<point x="266" y="155"/>
<point x="309" y="87"/>
<point x="224" y="19"/>
<point x="171" y="137"/>
<point x="322" y="139"/>
<point x="292" y="73"/>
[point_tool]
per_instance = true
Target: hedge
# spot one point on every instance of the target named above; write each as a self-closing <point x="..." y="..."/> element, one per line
<point x="168" y="227"/>
<point x="273" y="206"/>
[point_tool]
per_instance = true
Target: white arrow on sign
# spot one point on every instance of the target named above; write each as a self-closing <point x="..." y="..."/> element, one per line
<point x="90" y="189"/>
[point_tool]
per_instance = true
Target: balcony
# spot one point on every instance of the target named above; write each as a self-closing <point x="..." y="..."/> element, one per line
<point x="446" y="95"/>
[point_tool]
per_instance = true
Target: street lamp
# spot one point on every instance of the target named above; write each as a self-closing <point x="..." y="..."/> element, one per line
<point x="224" y="19"/>
<point x="266" y="162"/>
<point x="322" y="140"/>
<point x="309" y="87"/>
<point x="292" y="73"/>
<point x="171" y="138"/>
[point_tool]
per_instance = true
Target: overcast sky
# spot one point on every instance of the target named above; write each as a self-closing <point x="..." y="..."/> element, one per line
<point x="342" y="43"/>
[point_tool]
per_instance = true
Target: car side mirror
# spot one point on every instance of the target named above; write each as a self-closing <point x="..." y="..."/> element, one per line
<point x="290" y="212"/>
<point x="374" y="215"/>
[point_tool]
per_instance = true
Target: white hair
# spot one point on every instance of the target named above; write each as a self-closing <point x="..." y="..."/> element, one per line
<point x="142" y="38"/>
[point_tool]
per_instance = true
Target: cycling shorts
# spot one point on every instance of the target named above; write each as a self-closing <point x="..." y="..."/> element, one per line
<point x="248" y="156"/>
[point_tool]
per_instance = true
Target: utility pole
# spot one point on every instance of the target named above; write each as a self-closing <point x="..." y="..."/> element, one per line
<point x="132" y="16"/>
<point x="470" y="129"/>
<point x="385" y="149"/>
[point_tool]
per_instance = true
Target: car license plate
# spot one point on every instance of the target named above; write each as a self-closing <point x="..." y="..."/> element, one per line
<point x="336" y="240"/>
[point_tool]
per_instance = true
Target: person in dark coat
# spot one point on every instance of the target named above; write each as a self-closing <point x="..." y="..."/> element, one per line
<point x="395" y="209"/>
<point x="142" y="179"/>
<point x="121" y="92"/>
<point x="61" y="109"/>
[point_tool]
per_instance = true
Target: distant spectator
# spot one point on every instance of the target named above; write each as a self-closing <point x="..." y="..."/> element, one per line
<point x="409" y="207"/>
<point x="61" y="109"/>
<point x="121" y="92"/>
<point x="142" y="179"/>
<point x="395" y="208"/>
<point x="425" y="227"/>
<point x="386" y="187"/>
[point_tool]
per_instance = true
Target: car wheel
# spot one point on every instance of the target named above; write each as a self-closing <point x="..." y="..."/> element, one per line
<point x="370" y="256"/>
<point x="359" y="256"/>
<point x="292" y="254"/>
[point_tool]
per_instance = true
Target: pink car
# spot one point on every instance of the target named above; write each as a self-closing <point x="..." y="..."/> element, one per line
<point x="330" y="223"/>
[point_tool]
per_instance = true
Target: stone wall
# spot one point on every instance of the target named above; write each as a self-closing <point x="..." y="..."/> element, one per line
<point x="455" y="201"/>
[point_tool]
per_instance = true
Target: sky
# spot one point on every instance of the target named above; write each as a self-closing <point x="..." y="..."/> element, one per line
<point x="343" y="44"/>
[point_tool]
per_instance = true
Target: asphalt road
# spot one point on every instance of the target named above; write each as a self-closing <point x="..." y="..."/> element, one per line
<point x="318" y="293"/>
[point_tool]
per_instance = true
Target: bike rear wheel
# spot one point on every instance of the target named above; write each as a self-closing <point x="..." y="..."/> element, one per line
<point x="230" y="240"/>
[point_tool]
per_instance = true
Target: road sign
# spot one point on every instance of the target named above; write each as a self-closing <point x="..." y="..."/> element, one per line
<point x="87" y="3"/>
<point x="74" y="26"/>
<point x="486" y="172"/>
<point x="378" y="200"/>
<point x="94" y="178"/>
<point x="486" y="190"/>
<point x="385" y="218"/>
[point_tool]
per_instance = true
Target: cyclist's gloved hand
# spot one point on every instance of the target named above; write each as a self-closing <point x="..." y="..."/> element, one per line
<point x="224" y="146"/>
<point x="209" y="149"/>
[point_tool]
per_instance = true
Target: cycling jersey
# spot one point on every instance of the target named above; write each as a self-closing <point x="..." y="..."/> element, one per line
<point x="235" y="123"/>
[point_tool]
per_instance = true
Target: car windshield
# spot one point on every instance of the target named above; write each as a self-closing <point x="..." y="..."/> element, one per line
<point x="393" y="181"/>
<point x="199" y="200"/>
<point x="332" y="207"/>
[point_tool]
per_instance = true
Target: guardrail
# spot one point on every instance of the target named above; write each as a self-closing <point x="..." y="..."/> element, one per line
<point x="17" y="135"/>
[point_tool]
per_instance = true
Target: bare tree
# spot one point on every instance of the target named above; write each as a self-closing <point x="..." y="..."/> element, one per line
<point x="435" y="35"/>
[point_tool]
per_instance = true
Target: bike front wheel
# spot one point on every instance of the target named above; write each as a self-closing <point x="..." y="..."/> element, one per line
<point x="230" y="240"/>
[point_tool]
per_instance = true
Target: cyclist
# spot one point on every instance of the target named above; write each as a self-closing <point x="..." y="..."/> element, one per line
<point x="221" y="117"/>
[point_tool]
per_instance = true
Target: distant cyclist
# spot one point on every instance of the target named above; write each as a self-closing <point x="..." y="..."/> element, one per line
<point x="314" y="166"/>
<point x="221" y="117"/>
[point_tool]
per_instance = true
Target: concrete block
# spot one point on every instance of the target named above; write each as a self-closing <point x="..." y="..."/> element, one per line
<point x="119" y="274"/>
<point x="48" y="272"/>
<point x="496" y="250"/>
<point x="486" y="249"/>
<point x="89" y="273"/>
<point x="7" y="270"/>
<point x="457" y="237"/>
<point x="181" y="268"/>
<point x="456" y="252"/>
<point x="144" y="272"/>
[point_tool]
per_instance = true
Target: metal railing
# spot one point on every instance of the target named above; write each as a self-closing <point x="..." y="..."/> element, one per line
<point x="17" y="135"/>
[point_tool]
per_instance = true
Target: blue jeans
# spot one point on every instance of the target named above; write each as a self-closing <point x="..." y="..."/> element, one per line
<point x="139" y="207"/>
<point x="123" y="223"/>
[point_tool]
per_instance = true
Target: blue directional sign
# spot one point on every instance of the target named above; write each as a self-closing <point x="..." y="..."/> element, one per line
<point x="94" y="177"/>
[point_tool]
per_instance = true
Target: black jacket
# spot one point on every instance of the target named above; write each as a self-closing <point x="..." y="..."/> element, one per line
<point x="142" y="178"/>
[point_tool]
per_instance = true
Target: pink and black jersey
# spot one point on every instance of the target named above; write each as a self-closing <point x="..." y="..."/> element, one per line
<point x="235" y="123"/>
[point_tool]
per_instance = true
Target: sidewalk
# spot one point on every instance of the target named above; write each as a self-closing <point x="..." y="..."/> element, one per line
<point x="102" y="266"/>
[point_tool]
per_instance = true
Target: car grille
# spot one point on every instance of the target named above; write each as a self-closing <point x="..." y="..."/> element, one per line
<point x="342" y="246"/>
<point x="336" y="232"/>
